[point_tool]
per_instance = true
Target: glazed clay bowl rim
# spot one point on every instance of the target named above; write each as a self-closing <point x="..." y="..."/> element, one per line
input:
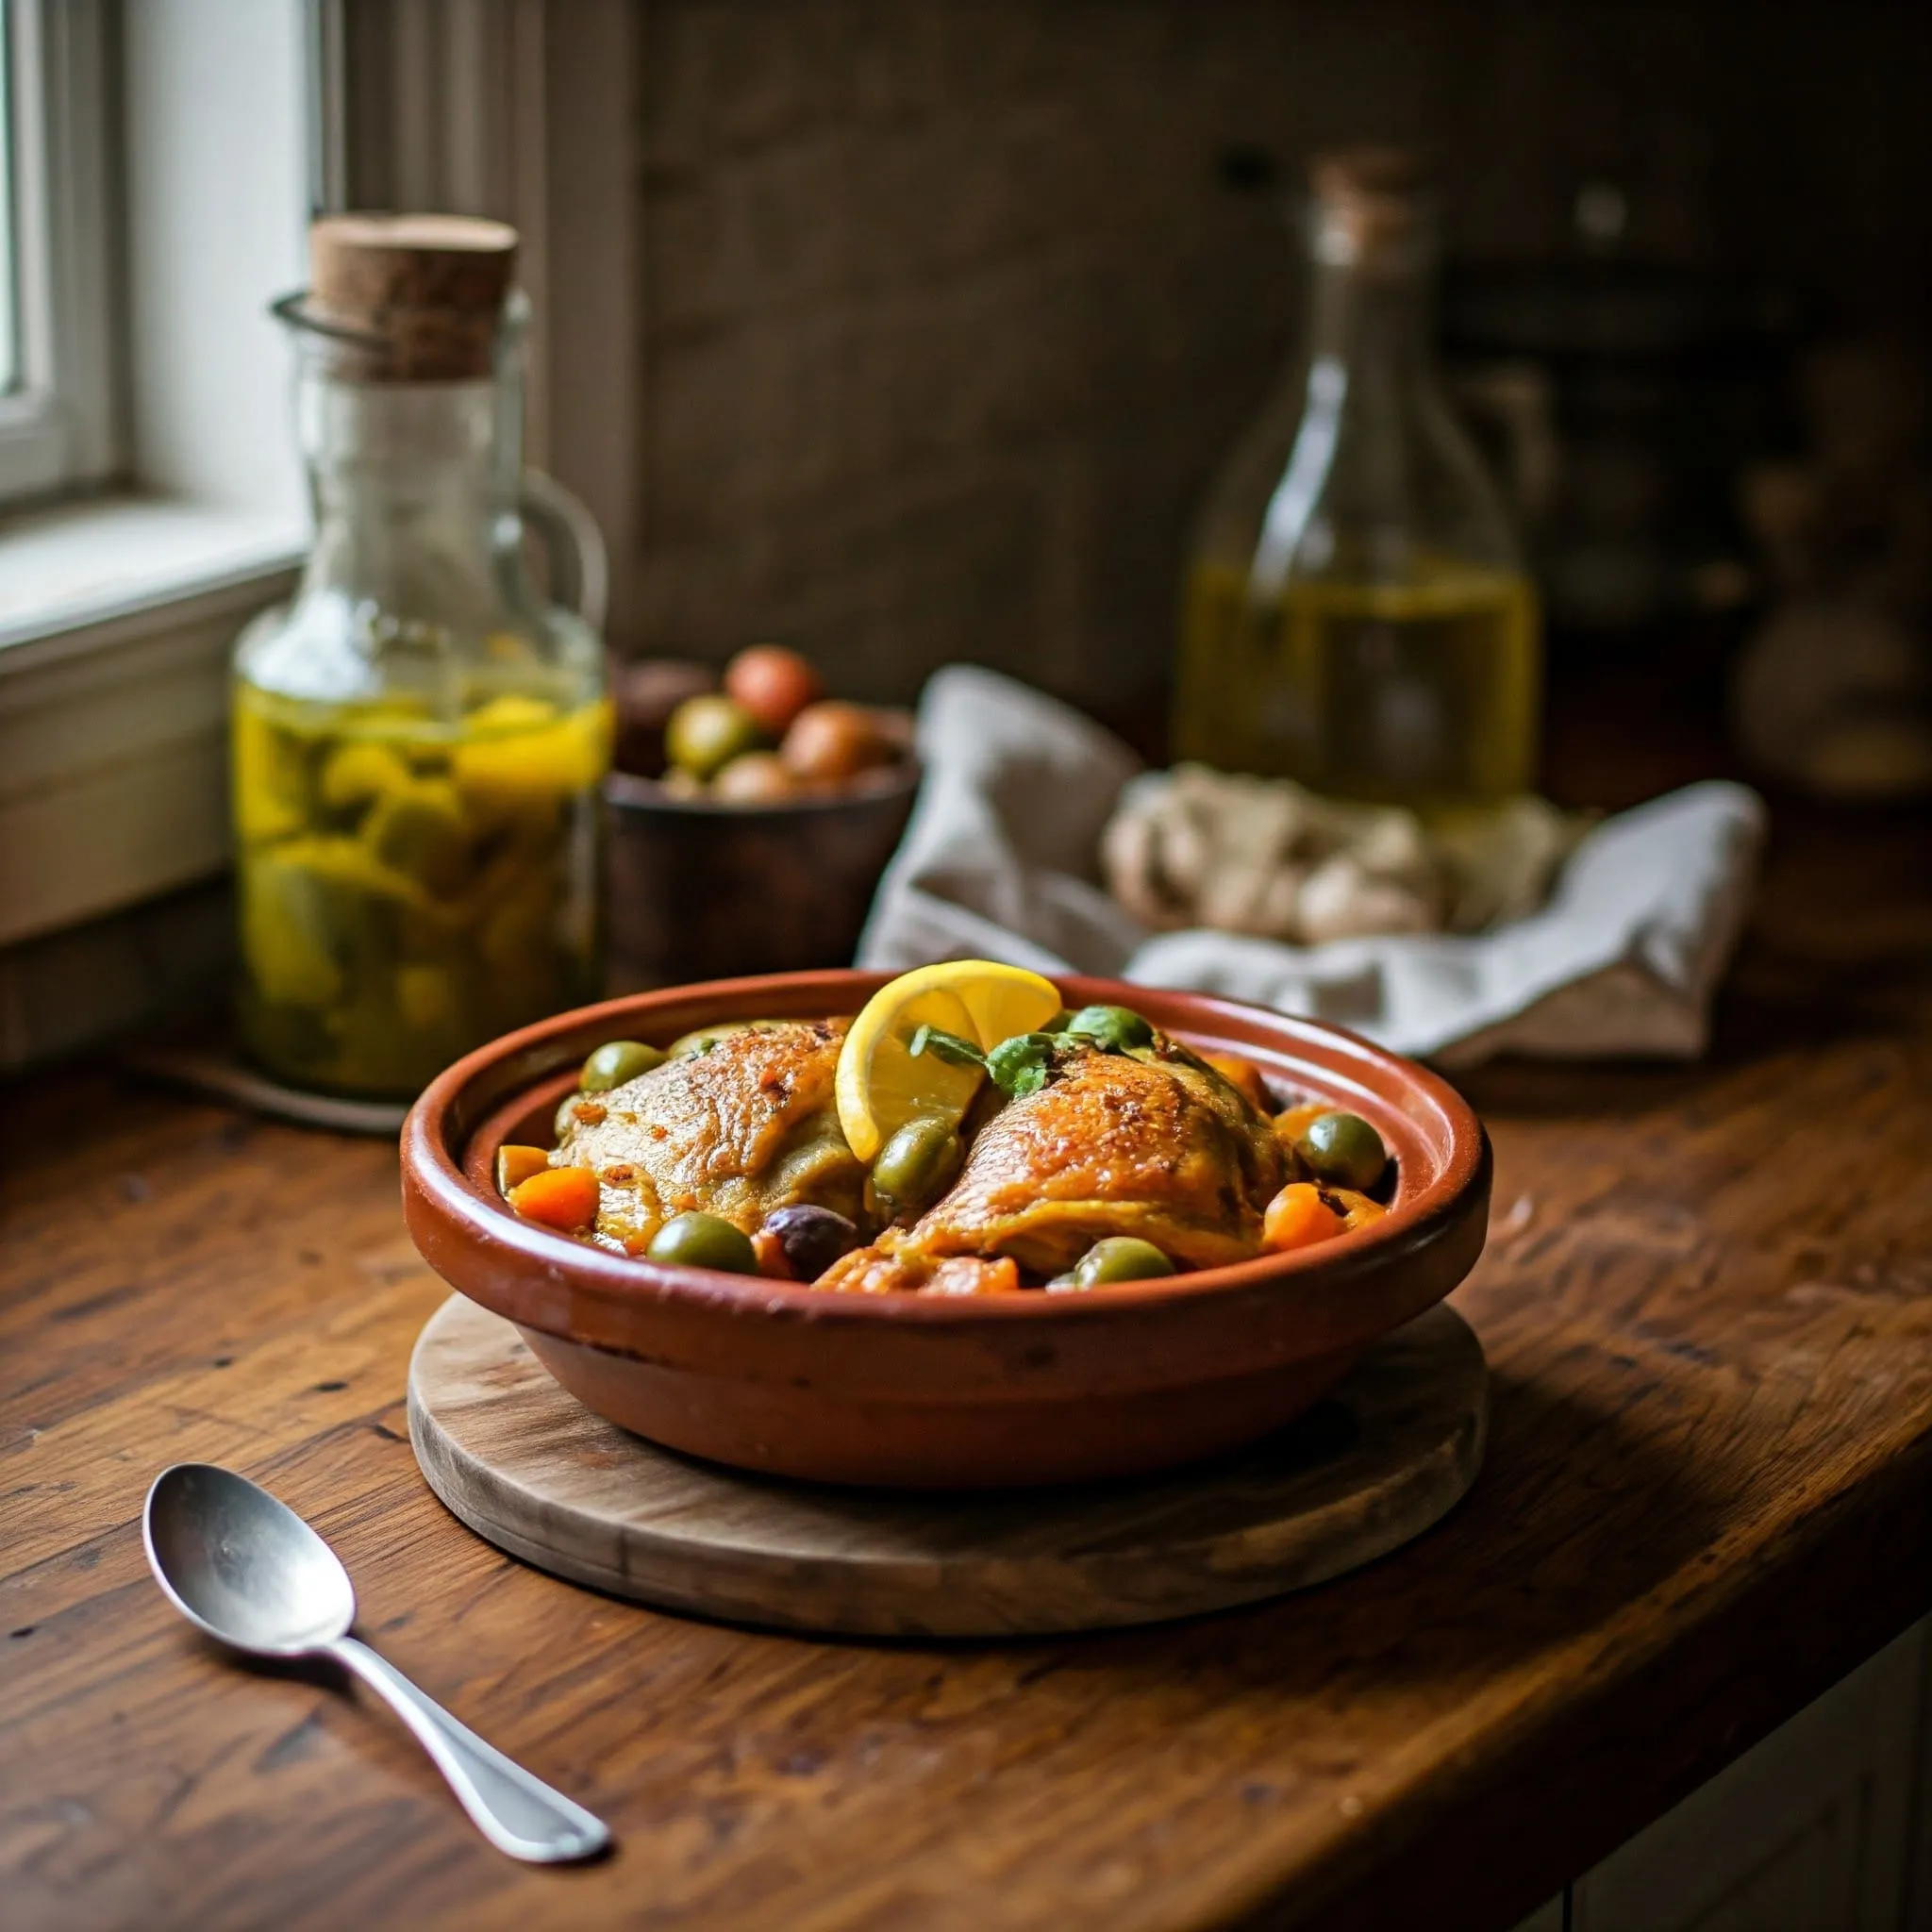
<point x="470" y="1213"/>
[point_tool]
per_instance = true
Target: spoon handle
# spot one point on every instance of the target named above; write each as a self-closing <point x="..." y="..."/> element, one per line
<point x="516" y="1811"/>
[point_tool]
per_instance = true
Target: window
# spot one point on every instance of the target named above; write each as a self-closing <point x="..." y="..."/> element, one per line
<point x="56" y="386"/>
<point x="129" y="561"/>
<point x="9" y="329"/>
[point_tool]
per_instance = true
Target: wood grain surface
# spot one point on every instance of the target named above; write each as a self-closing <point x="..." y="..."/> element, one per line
<point x="1384" y="1457"/>
<point x="1707" y="1309"/>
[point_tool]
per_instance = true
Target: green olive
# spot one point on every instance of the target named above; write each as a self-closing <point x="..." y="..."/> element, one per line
<point x="616" y="1061"/>
<point x="1121" y="1257"/>
<point x="918" y="1162"/>
<point x="566" y="1121"/>
<point x="1342" y="1149"/>
<point x="705" y="733"/>
<point x="701" y="1241"/>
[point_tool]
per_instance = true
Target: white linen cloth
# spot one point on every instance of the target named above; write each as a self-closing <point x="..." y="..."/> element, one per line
<point x="999" y="863"/>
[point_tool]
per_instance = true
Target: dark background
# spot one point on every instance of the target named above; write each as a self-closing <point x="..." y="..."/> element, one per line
<point x="950" y="309"/>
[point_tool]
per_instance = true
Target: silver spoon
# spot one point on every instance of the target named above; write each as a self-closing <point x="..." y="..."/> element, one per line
<point x="242" y="1566"/>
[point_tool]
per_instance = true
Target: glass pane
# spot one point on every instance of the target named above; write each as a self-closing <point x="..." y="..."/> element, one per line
<point x="9" y="367"/>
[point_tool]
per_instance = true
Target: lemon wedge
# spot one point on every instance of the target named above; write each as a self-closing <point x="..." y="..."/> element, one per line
<point x="880" y="1084"/>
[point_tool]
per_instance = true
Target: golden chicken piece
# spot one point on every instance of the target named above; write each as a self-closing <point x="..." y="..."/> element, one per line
<point x="1153" y="1144"/>
<point x="737" y="1129"/>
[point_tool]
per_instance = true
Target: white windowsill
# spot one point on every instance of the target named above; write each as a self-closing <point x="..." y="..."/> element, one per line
<point x="66" y="571"/>
<point x="116" y="624"/>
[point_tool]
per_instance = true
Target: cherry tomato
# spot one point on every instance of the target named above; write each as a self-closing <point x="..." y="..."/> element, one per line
<point x="773" y="684"/>
<point x="829" y="742"/>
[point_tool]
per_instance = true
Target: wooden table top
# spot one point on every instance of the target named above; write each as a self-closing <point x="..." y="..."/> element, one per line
<point x="1708" y="1303"/>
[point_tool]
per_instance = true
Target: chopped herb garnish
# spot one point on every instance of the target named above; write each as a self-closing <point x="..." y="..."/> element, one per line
<point x="946" y="1046"/>
<point x="1113" y="1029"/>
<point x="1020" y="1066"/>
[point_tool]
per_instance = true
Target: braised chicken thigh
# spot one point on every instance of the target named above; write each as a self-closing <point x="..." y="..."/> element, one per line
<point x="1151" y="1145"/>
<point x="744" y="1126"/>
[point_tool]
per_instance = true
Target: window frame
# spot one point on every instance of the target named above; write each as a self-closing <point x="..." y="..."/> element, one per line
<point x="118" y="612"/>
<point x="59" y="427"/>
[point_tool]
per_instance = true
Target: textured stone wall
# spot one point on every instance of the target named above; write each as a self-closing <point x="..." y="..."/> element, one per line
<point x="950" y="311"/>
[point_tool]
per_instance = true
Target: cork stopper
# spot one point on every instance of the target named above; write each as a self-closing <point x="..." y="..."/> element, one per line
<point x="424" y="293"/>
<point x="1370" y="205"/>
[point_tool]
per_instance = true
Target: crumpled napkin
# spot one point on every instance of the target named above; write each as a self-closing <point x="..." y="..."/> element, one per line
<point x="1000" y="863"/>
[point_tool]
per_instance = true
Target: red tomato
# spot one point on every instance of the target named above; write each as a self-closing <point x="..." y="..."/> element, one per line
<point x="773" y="684"/>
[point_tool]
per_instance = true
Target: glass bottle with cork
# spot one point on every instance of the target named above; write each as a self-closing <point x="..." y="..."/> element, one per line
<point x="419" y="739"/>
<point x="1356" y="613"/>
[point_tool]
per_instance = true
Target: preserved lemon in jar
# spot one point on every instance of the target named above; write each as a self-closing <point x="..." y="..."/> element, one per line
<point x="1356" y="614"/>
<point x="409" y="887"/>
<point x="419" y="741"/>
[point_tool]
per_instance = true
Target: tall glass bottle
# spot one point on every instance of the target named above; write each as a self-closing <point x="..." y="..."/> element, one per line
<point x="419" y="739"/>
<point x="1356" y="614"/>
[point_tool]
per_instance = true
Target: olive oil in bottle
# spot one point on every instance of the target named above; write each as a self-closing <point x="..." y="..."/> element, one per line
<point x="1420" y="692"/>
<point x="1355" y="614"/>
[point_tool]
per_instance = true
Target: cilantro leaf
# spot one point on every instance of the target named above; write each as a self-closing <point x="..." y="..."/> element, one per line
<point x="1020" y="1066"/>
<point x="946" y="1046"/>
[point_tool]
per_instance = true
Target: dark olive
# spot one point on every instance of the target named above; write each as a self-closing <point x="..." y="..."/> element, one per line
<point x="918" y="1162"/>
<point x="1121" y="1257"/>
<point x="1343" y="1149"/>
<point x="812" y="1238"/>
<point x="1112" y="1028"/>
<point x="701" y="1241"/>
<point x="616" y="1061"/>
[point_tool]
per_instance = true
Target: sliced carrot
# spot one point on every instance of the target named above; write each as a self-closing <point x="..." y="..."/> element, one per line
<point x="1289" y="1126"/>
<point x="515" y="1165"/>
<point x="560" y="1197"/>
<point x="1243" y="1075"/>
<point x="1298" y="1217"/>
<point x="1292" y="1124"/>
<point x="772" y="1260"/>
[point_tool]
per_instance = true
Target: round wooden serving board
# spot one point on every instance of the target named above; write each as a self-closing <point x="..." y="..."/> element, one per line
<point x="523" y="1464"/>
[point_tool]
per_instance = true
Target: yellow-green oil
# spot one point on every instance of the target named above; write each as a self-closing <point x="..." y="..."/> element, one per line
<point x="1423" y="692"/>
<point x="409" y="886"/>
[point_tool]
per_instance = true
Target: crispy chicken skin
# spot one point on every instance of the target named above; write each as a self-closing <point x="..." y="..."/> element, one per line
<point x="745" y="1128"/>
<point x="1151" y="1143"/>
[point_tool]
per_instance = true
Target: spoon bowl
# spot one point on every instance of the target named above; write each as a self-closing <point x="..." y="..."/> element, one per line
<point x="241" y="1565"/>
